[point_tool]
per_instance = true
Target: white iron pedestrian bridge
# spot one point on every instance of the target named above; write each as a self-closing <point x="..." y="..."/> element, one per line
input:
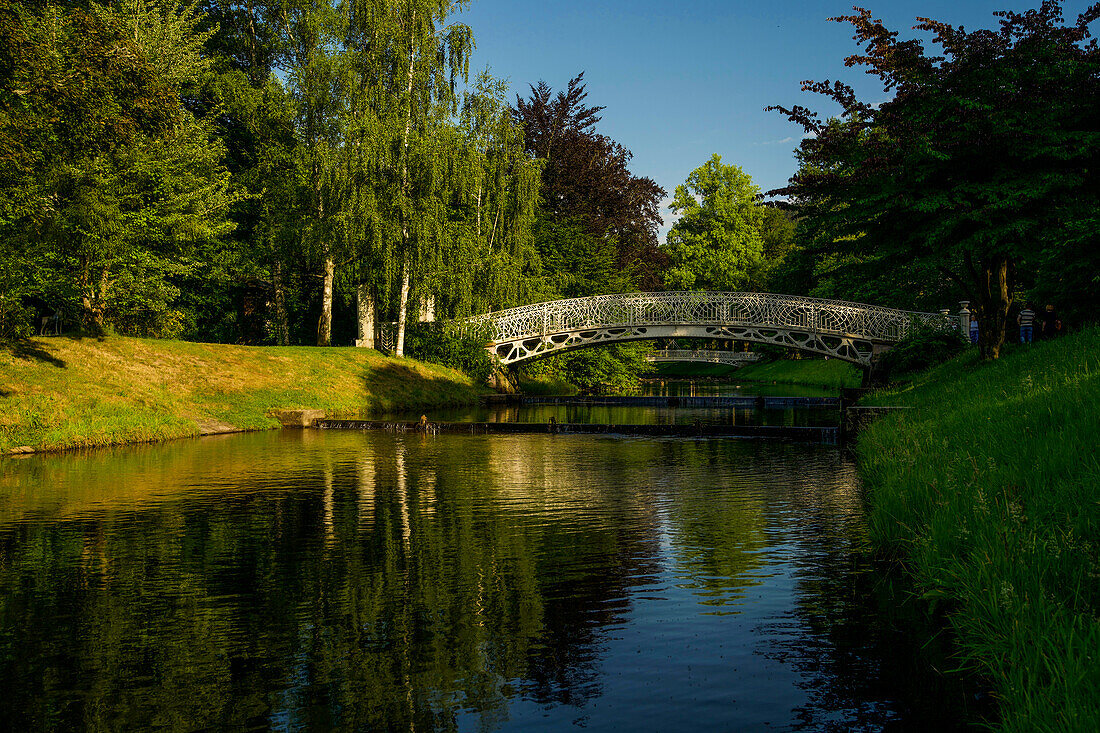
<point x="854" y="332"/>
<point x="702" y="356"/>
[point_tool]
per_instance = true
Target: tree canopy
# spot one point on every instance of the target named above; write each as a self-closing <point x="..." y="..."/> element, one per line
<point x="980" y="170"/>
<point x="716" y="244"/>
<point x="233" y="171"/>
<point x="586" y="179"/>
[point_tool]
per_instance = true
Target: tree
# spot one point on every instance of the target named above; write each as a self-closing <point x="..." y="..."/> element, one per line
<point x="980" y="168"/>
<point x="716" y="244"/>
<point x="778" y="229"/>
<point x="489" y="252"/>
<point x="586" y="178"/>
<point x="245" y="34"/>
<point x="313" y="59"/>
<point x="576" y="264"/>
<point x="114" y="184"/>
<point x="254" y="266"/>
<point x="407" y="60"/>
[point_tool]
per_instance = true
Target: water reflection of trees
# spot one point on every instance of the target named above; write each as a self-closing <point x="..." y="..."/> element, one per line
<point x="716" y="518"/>
<point x="866" y="648"/>
<point x="396" y="582"/>
<point x="381" y="582"/>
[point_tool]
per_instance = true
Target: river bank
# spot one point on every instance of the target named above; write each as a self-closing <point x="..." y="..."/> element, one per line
<point x="832" y="374"/>
<point x="69" y="392"/>
<point x="988" y="490"/>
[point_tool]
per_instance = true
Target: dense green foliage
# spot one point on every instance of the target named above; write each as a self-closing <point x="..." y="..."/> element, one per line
<point x="612" y="369"/>
<point x="596" y="230"/>
<point x="987" y="489"/>
<point x="111" y="192"/>
<point x="976" y="180"/>
<point x="716" y="244"/>
<point x="921" y="349"/>
<point x="242" y="173"/>
<point x="458" y="348"/>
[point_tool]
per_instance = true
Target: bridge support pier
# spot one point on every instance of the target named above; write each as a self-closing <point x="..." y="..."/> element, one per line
<point x="503" y="380"/>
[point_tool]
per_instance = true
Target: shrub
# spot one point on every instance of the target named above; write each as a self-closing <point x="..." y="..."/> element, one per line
<point x="923" y="348"/>
<point x="612" y="369"/>
<point x="15" y="318"/>
<point x="458" y="348"/>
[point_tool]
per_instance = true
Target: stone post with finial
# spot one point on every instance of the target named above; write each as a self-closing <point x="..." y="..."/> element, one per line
<point x="964" y="318"/>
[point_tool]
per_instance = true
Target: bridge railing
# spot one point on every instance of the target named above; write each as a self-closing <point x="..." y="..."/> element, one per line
<point x="833" y="317"/>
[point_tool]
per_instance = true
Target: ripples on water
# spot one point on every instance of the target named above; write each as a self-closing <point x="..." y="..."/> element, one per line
<point x="371" y="581"/>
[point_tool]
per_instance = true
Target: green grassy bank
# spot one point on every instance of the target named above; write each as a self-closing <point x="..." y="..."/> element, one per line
<point x="691" y="370"/>
<point x="989" y="490"/>
<point x="833" y="373"/>
<point x="63" y="392"/>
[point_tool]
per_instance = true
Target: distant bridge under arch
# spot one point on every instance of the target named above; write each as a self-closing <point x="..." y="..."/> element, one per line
<point x="854" y="332"/>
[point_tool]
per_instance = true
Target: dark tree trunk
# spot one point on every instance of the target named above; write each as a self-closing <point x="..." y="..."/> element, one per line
<point x="994" y="287"/>
<point x="282" y="326"/>
<point x="93" y="300"/>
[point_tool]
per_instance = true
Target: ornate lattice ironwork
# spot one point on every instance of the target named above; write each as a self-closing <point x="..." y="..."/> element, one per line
<point x="709" y="357"/>
<point x="851" y="331"/>
<point x="385" y="336"/>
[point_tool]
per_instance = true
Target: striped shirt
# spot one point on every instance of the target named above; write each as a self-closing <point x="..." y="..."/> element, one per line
<point x="1027" y="317"/>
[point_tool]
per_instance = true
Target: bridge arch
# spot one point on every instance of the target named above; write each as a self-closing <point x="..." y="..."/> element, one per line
<point x="854" y="332"/>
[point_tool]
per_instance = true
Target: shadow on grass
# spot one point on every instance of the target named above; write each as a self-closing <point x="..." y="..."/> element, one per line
<point x="31" y="351"/>
<point x="396" y="386"/>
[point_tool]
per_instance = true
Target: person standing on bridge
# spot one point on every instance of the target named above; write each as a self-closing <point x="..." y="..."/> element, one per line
<point x="1026" y="319"/>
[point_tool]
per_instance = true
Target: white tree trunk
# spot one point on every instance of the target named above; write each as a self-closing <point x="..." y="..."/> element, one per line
<point x="403" y="303"/>
<point x="324" y="325"/>
<point x="402" y="310"/>
<point x="365" y="308"/>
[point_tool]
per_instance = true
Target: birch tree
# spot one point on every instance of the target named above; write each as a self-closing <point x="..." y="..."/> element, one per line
<point x="407" y="61"/>
<point x="495" y="200"/>
<point x="313" y="57"/>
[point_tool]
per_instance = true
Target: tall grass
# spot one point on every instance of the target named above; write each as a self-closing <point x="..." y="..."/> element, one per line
<point x="69" y="392"/>
<point x="989" y="489"/>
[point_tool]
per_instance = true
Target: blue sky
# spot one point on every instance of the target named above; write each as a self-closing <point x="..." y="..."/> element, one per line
<point x="683" y="80"/>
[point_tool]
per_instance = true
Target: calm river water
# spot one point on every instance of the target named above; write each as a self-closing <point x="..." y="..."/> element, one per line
<point x="370" y="581"/>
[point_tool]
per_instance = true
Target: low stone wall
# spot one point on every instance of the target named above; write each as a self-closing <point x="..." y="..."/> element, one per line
<point x="298" y="418"/>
